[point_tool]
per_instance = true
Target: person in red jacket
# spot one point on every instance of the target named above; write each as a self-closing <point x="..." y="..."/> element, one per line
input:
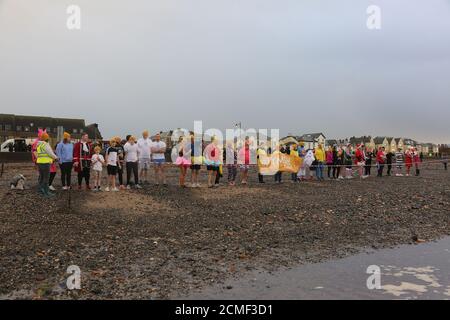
<point x="381" y="160"/>
<point x="408" y="162"/>
<point x="360" y="160"/>
<point x="82" y="154"/>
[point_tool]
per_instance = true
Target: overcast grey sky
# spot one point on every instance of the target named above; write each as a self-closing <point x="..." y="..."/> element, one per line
<point x="300" y="66"/>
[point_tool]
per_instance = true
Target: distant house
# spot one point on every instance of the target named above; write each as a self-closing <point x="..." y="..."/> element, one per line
<point x="428" y="148"/>
<point x="312" y="140"/>
<point x="19" y="126"/>
<point x="288" y="140"/>
<point x="408" y="143"/>
<point x="399" y="144"/>
<point x="331" y="142"/>
<point x="382" y="142"/>
<point x="367" y="141"/>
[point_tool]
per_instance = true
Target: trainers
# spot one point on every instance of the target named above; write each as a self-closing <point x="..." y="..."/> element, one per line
<point x="128" y="187"/>
<point x="115" y="189"/>
<point x="107" y="189"/>
<point x="52" y="188"/>
<point x="138" y="187"/>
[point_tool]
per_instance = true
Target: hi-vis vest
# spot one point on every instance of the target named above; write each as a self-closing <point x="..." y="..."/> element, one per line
<point x="42" y="156"/>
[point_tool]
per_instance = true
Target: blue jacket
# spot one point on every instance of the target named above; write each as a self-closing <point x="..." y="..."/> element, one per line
<point x="64" y="151"/>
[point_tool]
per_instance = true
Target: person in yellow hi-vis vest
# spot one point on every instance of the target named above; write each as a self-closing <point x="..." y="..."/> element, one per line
<point x="44" y="158"/>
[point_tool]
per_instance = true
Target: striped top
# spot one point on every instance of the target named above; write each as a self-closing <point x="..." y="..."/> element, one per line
<point x="399" y="157"/>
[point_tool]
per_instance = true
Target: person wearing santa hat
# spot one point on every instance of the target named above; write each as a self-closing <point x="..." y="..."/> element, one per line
<point x="360" y="160"/>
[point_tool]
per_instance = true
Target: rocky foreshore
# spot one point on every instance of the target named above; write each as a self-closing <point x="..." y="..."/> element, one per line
<point x="162" y="242"/>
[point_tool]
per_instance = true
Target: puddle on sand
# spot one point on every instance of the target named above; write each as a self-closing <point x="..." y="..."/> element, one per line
<point x="407" y="272"/>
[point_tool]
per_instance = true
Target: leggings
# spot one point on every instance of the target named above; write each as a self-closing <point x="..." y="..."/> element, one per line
<point x="132" y="167"/>
<point x="278" y="176"/>
<point x="260" y="177"/>
<point x="380" y="170"/>
<point x="367" y="169"/>
<point x="330" y="169"/>
<point x="218" y="176"/>
<point x="84" y="173"/>
<point x="389" y="169"/>
<point x="66" y="173"/>
<point x="232" y="171"/>
<point x="51" y="178"/>
<point x="120" y="174"/>
<point x="336" y="171"/>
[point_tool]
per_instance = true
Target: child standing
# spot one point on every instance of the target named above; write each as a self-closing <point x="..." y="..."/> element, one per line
<point x="111" y="165"/>
<point x="97" y="165"/>
<point x="52" y="176"/>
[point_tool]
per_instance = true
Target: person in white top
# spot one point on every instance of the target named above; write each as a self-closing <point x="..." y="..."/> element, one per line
<point x="158" y="150"/>
<point x="144" y="145"/>
<point x="131" y="158"/>
<point x="97" y="165"/>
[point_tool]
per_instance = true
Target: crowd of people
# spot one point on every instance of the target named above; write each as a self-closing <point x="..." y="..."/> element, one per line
<point x="134" y="157"/>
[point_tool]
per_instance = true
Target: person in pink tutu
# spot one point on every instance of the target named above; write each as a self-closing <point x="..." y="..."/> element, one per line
<point x="183" y="160"/>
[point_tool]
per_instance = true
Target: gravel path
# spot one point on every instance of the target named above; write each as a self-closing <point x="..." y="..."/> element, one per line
<point x="164" y="242"/>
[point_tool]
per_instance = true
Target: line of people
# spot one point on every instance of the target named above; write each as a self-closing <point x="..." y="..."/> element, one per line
<point x="135" y="156"/>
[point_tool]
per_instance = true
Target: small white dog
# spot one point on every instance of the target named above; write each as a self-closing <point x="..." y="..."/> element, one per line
<point x="18" y="182"/>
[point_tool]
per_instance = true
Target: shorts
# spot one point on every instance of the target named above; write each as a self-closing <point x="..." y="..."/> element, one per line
<point x="212" y="168"/>
<point x="159" y="162"/>
<point x="112" y="170"/>
<point x="196" y="167"/>
<point x="144" y="164"/>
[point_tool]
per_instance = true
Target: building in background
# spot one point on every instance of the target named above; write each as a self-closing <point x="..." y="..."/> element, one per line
<point x="312" y="140"/>
<point x="367" y="141"/>
<point x="382" y="142"/>
<point x="26" y="127"/>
